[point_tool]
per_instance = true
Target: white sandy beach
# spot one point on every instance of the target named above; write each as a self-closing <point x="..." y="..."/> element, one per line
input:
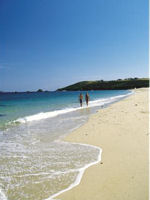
<point x="121" y="130"/>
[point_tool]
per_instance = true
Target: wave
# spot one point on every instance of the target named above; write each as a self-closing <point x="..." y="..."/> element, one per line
<point x="105" y="101"/>
<point x="80" y="171"/>
<point x="2" y="195"/>
<point x="94" y="103"/>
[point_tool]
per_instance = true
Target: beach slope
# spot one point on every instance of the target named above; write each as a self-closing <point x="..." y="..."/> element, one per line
<point x="121" y="130"/>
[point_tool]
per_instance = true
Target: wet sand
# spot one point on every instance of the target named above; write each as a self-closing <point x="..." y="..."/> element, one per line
<point x="121" y="130"/>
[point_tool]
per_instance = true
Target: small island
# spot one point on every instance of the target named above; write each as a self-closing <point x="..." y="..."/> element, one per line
<point x="39" y="90"/>
<point x="27" y="92"/>
<point x="119" y="84"/>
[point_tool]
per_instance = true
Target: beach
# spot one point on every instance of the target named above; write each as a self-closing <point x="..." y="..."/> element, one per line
<point x="121" y="130"/>
<point x="34" y="158"/>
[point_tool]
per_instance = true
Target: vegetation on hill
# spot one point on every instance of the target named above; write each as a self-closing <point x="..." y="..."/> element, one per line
<point x="119" y="84"/>
<point x="39" y="90"/>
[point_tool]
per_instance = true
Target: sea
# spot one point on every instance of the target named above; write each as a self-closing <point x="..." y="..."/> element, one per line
<point x="35" y="162"/>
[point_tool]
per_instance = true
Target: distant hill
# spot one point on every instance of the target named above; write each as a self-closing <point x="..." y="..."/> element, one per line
<point x="28" y="92"/>
<point x="119" y="84"/>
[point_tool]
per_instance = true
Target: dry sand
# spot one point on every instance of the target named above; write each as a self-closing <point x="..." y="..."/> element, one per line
<point x="121" y="130"/>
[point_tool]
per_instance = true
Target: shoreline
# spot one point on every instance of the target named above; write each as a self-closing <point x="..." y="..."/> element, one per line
<point x="77" y="137"/>
<point x="82" y="170"/>
<point x="54" y="113"/>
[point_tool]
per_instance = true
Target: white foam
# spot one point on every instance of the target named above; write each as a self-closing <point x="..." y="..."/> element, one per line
<point x="109" y="100"/>
<point x="2" y="195"/>
<point x="45" y="115"/>
<point x="80" y="170"/>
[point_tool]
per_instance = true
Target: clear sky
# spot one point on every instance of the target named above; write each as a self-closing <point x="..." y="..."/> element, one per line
<point x="53" y="43"/>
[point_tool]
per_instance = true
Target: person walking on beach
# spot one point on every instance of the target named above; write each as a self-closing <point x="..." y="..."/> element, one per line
<point x="87" y="98"/>
<point x="81" y="99"/>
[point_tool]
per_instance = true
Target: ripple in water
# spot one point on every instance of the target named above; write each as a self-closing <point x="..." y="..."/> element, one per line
<point x="31" y="168"/>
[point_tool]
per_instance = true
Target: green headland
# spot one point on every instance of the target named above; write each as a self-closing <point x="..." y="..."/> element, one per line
<point x="120" y="84"/>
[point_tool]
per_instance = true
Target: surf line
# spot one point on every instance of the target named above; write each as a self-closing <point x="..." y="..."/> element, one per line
<point x="51" y="114"/>
<point x="2" y="195"/>
<point x="80" y="170"/>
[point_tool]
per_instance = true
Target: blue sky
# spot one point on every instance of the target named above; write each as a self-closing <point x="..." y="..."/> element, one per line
<point x="53" y="43"/>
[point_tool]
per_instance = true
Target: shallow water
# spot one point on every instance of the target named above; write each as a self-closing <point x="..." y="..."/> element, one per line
<point x="40" y="170"/>
<point x="34" y="162"/>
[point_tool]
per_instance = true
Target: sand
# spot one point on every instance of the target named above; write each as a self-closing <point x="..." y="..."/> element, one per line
<point x="122" y="131"/>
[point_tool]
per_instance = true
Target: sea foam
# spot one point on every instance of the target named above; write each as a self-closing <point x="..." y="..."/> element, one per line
<point x="80" y="171"/>
<point x="2" y="195"/>
<point x="94" y="103"/>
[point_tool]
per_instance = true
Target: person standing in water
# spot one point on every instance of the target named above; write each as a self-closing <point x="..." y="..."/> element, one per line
<point x="81" y="99"/>
<point x="87" y="98"/>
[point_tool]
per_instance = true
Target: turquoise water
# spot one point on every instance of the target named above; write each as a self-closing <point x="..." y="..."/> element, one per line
<point x="34" y="162"/>
<point x="15" y="106"/>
